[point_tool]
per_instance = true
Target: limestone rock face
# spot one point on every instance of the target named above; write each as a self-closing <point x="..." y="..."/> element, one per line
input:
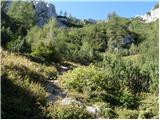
<point x="44" y="12"/>
<point x="93" y="110"/>
<point x="151" y="16"/>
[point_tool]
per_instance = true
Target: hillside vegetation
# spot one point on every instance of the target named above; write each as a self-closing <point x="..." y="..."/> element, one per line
<point x="104" y="70"/>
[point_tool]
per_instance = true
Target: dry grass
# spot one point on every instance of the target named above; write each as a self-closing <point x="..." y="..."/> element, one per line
<point x="23" y="86"/>
<point x="11" y="59"/>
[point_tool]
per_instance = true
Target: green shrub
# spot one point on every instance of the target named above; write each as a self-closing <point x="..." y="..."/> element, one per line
<point x="59" y="111"/>
<point x="133" y="49"/>
<point x="127" y="114"/>
<point x="11" y="29"/>
<point x="6" y="35"/>
<point x="149" y="106"/>
<point x="48" y="53"/>
<point x="152" y="68"/>
<point x="46" y="43"/>
<point x="22" y="11"/>
<point x="106" y="110"/>
<point x="108" y="113"/>
<point x="113" y="64"/>
<point x="131" y="76"/>
<point x="18" y="45"/>
<point x="129" y="100"/>
<point x="137" y="79"/>
<point x="91" y="82"/>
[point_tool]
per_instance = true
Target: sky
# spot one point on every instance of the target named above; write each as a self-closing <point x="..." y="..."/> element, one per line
<point x="99" y="9"/>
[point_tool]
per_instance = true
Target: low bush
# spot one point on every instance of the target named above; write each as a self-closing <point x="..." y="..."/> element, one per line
<point x="92" y="83"/>
<point x="108" y="113"/>
<point x="59" y="111"/>
<point x="130" y="75"/>
<point x="129" y="100"/>
<point x="149" y="106"/>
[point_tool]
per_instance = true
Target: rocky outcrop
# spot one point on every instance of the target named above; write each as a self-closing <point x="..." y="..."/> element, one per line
<point x="94" y="110"/>
<point x="92" y="21"/>
<point x="69" y="101"/>
<point x="127" y="40"/>
<point x="54" y="92"/>
<point x="44" y="12"/>
<point x="151" y="16"/>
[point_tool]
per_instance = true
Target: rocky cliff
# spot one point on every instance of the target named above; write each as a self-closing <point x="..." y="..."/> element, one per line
<point x="150" y="16"/>
<point x="44" y="12"/>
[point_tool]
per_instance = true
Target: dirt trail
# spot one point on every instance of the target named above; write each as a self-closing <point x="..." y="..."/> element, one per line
<point x="54" y="90"/>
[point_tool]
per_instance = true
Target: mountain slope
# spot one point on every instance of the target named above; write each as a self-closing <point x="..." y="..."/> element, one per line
<point x="23" y="86"/>
<point x="108" y="69"/>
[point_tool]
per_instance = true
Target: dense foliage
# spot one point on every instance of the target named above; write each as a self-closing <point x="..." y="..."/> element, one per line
<point x="116" y="60"/>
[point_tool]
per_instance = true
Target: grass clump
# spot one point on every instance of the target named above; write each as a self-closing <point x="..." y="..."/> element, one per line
<point x="59" y="111"/>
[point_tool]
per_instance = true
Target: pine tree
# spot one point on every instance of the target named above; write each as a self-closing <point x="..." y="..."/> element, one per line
<point x="23" y="12"/>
